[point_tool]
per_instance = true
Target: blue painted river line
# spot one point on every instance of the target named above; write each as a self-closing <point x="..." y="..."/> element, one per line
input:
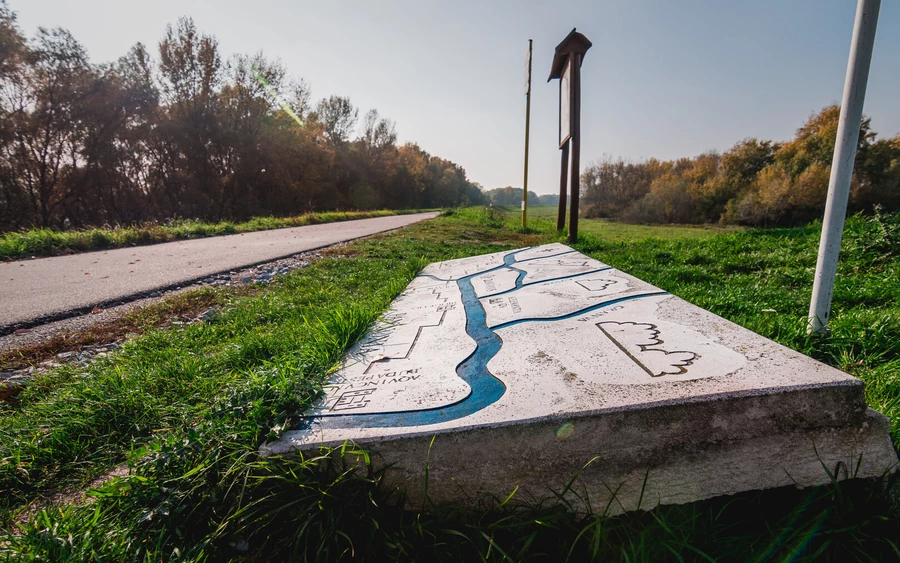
<point x="485" y="388"/>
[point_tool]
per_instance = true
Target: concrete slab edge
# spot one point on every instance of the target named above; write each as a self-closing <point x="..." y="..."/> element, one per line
<point x="608" y="478"/>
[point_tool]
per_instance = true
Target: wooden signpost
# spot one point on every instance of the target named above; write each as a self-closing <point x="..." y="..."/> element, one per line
<point x="567" y="68"/>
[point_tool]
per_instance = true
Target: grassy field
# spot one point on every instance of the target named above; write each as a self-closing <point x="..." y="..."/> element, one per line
<point x="48" y="242"/>
<point x="184" y="409"/>
<point x="611" y="231"/>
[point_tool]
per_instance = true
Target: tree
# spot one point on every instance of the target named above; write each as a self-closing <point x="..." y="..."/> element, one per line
<point x="189" y="135"/>
<point x="378" y="139"/>
<point x="104" y="183"/>
<point x="814" y="143"/>
<point x="12" y="44"/>
<point x="189" y="66"/>
<point x="299" y="98"/>
<point x="877" y="177"/>
<point x="510" y="196"/>
<point x="12" y="55"/>
<point x="45" y="123"/>
<point x="610" y="187"/>
<point x="338" y="117"/>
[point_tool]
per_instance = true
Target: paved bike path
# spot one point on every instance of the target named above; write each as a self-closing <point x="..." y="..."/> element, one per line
<point x="49" y="288"/>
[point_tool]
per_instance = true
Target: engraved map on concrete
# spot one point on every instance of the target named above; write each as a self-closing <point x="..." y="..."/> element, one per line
<point x="545" y="359"/>
<point x="494" y="337"/>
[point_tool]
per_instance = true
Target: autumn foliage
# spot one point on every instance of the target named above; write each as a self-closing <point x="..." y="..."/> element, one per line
<point x="183" y="133"/>
<point x="753" y="183"/>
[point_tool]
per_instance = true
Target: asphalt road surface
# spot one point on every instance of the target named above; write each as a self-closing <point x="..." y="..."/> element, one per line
<point x="49" y="288"/>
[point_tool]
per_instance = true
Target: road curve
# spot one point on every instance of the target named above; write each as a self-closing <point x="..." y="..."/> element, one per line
<point x="33" y="291"/>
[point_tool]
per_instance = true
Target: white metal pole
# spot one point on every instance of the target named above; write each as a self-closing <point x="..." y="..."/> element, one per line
<point x="842" y="164"/>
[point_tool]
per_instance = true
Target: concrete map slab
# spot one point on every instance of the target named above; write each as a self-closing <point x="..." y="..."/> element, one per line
<point x="532" y="366"/>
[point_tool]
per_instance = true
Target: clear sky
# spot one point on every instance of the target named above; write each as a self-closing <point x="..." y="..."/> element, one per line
<point x="664" y="78"/>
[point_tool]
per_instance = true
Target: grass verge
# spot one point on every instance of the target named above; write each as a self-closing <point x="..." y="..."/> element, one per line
<point x="48" y="242"/>
<point x="612" y="231"/>
<point x="134" y="323"/>
<point x="186" y="408"/>
<point x="762" y="280"/>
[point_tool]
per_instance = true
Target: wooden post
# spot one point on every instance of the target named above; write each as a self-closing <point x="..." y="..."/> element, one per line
<point x="575" y="143"/>
<point x="527" y="129"/>
<point x="563" y="187"/>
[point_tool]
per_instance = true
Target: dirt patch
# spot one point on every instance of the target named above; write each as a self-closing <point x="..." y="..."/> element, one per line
<point x="115" y="326"/>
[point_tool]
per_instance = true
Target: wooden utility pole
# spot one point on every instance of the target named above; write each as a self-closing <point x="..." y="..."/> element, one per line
<point x="567" y="68"/>
<point x="527" y="128"/>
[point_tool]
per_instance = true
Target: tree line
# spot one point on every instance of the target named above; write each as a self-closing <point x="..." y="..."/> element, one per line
<point x="513" y="196"/>
<point x="756" y="182"/>
<point x="186" y="133"/>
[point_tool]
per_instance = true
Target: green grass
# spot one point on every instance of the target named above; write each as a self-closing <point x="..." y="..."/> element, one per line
<point x="49" y="242"/>
<point x="612" y="231"/>
<point x="186" y="407"/>
<point x="762" y="280"/>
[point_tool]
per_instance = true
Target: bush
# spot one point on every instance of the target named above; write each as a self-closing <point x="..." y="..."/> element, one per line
<point x="753" y="183"/>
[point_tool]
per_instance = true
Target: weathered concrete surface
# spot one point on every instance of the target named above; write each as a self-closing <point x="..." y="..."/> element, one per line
<point x="533" y="366"/>
<point x="46" y="288"/>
